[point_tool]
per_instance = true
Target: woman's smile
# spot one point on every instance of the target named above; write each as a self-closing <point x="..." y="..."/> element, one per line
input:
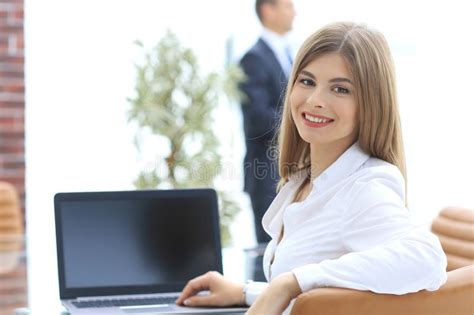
<point x="316" y="121"/>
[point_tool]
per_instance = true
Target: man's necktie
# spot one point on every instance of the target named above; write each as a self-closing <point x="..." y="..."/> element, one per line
<point x="290" y="59"/>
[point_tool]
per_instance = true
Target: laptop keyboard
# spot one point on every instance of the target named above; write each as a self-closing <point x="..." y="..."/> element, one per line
<point x="125" y="302"/>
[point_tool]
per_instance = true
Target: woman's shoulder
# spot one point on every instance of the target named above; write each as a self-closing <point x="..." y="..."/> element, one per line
<point x="376" y="181"/>
<point x="376" y="169"/>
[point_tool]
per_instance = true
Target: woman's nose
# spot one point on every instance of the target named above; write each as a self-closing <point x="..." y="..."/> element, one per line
<point x="316" y="98"/>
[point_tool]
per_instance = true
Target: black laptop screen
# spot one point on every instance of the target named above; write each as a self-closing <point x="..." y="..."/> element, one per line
<point x="155" y="240"/>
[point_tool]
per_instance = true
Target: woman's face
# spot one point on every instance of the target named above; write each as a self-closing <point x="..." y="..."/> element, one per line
<point x="323" y="102"/>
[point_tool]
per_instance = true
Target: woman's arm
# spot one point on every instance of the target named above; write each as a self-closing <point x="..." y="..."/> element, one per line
<point x="389" y="252"/>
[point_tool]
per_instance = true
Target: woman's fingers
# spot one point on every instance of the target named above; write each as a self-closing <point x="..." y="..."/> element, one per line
<point x="223" y="292"/>
<point x="193" y="287"/>
<point x="201" y="300"/>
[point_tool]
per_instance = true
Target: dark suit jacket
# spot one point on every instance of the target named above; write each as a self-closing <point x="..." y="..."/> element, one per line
<point x="264" y="88"/>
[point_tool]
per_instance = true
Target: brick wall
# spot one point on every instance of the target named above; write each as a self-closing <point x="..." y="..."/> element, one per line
<point x="12" y="99"/>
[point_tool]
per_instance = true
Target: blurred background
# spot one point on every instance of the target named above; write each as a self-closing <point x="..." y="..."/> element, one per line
<point x="65" y="126"/>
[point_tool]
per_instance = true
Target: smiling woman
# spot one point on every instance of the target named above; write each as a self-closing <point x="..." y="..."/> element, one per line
<point x="79" y="73"/>
<point x="339" y="218"/>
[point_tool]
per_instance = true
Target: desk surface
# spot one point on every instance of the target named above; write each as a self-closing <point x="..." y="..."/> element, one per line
<point x="42" y="292"/>
<point x="26" y="311"/>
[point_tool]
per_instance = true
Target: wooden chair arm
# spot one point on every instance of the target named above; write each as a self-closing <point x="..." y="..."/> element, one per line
<point x="455" y="297"/>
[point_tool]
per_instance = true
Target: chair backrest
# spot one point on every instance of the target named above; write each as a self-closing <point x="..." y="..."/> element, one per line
<point x="455" y="229"/>
<point x="13" y="284"/>
<point x="11" y="229"/>
<point x="11" y="225"/>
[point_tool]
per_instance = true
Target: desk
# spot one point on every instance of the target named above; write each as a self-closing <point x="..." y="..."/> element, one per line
<point x="26" y="311"/>
<point x="43" y="284"/>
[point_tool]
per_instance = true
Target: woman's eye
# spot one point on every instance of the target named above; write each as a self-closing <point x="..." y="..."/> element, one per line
<point x="342" y="90"/>
<point x="307" y="82"/>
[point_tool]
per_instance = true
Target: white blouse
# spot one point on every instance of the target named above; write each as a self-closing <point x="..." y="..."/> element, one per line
<point x="352" y="231"/>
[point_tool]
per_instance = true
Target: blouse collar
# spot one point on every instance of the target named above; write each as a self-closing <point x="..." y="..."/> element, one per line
<point x="349" y="162"/>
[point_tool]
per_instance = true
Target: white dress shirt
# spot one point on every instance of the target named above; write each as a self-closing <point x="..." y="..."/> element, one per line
<point x="280" y="46"/>
<point x="352" y="231"/>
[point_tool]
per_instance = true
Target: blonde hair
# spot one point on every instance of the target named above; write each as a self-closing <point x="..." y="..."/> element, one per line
<point x="368" y="57"/>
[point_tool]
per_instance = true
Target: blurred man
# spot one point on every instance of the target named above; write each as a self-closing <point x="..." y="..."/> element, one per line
<point x="267" y="66"/>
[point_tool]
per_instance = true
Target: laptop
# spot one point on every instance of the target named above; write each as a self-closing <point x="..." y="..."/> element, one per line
<point x="132" y="252"/>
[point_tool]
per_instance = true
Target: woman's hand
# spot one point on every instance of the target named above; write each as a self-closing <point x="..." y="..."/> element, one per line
<point x="277" y="296"/>
<point x="223" y="292"/>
